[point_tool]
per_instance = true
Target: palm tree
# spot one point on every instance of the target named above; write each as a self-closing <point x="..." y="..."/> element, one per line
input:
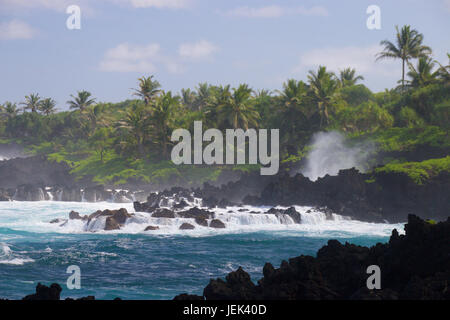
<point x="96" y="116"/>
<point x="444" y="71"/>
<point x="323" y="86"/>
<point x="347" y="77"/>
<point x="148" y="89"/>
<point x="9" y="110"/>
<point x="294" y="113"/>
<point x="136" y="123"/>
<point x="47" y="106"/>
<point x="422" y="74"/>
<point x="293" y="92"/>
<point x="408" y="46"/>
<point x="238" y="108"/>
<point x="188" y="98"/>
<point x="162" y="114"/>
<point x="291" y="98"/>
<point x="263" y="94"/>
<point x="81" y="101"/>
<point x="204" y="96"/>
<point x="31" y="102"/>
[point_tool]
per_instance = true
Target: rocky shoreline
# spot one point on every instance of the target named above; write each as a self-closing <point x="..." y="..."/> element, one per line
<point x="414" y="266"/>
<point x="377" y="197"/>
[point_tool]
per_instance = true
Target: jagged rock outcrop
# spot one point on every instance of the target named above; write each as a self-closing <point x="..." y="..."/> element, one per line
<point x="163" y="213"/>
<point x="52" y="293"/>
<point x="413" y="266"/>
<point x="196" y="213"/>
<point x="291" y="212"/>
<point x="45" y="293"/>
<point x="161" y="199"/>
<point x="115" y="219"/>
<point x="383" y="197"/>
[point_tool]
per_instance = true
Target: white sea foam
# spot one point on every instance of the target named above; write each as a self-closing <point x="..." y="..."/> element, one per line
<point x="36" y="217"/>
<point x="7" y="256"/>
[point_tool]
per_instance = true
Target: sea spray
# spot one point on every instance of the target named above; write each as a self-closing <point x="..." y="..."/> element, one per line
<point x="331" y="153"/>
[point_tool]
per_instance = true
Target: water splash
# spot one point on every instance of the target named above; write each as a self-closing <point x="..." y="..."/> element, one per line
<point x="331" y="153"/>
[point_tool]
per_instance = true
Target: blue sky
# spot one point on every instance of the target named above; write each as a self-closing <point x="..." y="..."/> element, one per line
<point x="185" y="42"/>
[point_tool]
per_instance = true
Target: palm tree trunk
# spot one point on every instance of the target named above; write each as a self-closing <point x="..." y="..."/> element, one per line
<point x="403" y="74"/>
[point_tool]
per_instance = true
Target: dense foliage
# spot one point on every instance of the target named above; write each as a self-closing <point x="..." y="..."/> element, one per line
<point x="130" y="141"/>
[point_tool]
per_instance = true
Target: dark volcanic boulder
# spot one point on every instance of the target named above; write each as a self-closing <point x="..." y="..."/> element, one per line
<point x="294" y="214"/>
<point x="186" y="226"/>
<point x="163" y="213"/>
<point x="196" y="213"/>
<point x="291" y="212"/>
<point x="201" y="221"/>
<point x="216" y="223"/>
<point x="237" y="286"/>
<point x="73" y="215"/>
<point x="151" y="228"/>
<point x="181" y="205"/>
<point x="115" y="219"/>
<point x="162" y="199"/>
<point x="45" y="293"/>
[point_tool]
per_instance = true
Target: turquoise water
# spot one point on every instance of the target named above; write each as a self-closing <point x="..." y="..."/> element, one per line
<point x="133" y="264"/>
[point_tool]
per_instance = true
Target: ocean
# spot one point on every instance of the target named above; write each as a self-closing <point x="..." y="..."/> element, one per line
<point x="133" y="264"/>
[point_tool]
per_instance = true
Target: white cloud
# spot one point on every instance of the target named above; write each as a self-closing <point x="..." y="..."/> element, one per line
<point x="149" y="58"/>
<point x="86" y="5"/>
<point x="360" y="58"/>
<point x="137" y="58"/>
<point x="198" y="50"/>
<point x="58" y="5"/>
<point x="276" y="11"/>
<point x="16" y="29"/>
<point x="175" y="4"/>
<point x="129" y="58"/>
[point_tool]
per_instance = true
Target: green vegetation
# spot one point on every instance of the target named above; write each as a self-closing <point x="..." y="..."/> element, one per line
<point x="130" y="141"/>
<point x="419" y="172"/>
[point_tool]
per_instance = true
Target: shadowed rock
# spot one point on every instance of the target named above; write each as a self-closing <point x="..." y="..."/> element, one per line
<point x="45" y="293"/>
<point x="186" y="226"/>
<point x="163" y="213"/>
<point x="216" y="223"/>
<point x="151" y="228"/>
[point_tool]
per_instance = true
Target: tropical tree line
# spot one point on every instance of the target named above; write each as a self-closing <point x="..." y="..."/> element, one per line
<point x="141" y="128"/>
